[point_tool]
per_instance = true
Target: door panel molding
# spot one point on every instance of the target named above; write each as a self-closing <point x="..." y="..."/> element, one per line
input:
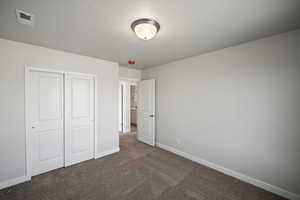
<point x="28" y="108"/>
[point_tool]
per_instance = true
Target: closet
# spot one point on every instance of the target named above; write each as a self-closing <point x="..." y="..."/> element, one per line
<point x="61" y="111"/>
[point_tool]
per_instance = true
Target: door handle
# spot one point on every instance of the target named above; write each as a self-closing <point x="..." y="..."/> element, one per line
<point x="151" y="115"/>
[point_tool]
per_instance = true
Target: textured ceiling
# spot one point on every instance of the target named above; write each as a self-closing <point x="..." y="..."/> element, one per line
<point x="101" y="28"/>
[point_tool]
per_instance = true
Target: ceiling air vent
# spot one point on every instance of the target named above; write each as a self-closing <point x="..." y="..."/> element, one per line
<point x="25" y="18"/>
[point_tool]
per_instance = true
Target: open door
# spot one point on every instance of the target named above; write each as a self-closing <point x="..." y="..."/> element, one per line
<point x="146" y="112"/>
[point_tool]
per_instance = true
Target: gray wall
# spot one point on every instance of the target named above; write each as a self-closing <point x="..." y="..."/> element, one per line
<point x="14" y="57"/>
<point x="238" y="108"/>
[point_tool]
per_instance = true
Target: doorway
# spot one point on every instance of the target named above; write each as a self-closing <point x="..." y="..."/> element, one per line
<point x="137" y="111"/>
<point x="60" y="119"/>
<point x="128" y="107"/>
<point x="133" y="109"/>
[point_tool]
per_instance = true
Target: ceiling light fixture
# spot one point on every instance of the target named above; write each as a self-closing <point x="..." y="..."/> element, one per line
<point x="145" y="28"/>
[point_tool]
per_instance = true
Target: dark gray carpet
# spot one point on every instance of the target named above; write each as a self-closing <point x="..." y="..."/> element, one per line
<point x="137" y="172"/>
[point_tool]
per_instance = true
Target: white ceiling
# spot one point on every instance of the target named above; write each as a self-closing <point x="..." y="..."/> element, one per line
<point x="101" y="28"/>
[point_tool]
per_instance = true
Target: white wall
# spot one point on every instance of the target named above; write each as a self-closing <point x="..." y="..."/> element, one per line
<point x="13" y="58"/>
<point x="238" y="108"/>
<point x="127" y="73"/>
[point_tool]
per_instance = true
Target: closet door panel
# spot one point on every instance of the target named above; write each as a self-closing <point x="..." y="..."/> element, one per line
<point x="46" y="116"/>
<point x="79" y="118"/>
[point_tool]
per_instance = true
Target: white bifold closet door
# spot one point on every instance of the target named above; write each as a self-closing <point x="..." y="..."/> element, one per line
<point x="47" y="121"/>
<point x="80" y="118"/>
<point x="62" y="119"/>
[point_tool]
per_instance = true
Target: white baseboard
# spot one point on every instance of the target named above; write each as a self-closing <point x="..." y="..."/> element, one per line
<point x="253" y="181"/>
<point x="105" y="153"/>
<point x="12" y="182"/>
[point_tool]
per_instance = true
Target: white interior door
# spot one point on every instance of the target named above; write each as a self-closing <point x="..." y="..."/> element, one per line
<point x="146" y="112"/>
<point x="47" y="121"/>
<point x="79" y="117"/>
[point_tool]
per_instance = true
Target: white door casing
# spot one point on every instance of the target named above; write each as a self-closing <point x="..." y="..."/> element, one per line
<point x="125" y="102"/>
<point x="146" y="112"/>
<point x="121" y="107"/>
<point x="46" y="121"/>
<point x="79" y="118"/>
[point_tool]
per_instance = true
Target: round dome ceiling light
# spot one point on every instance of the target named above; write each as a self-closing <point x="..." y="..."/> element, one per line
<point x="145" y="28"/>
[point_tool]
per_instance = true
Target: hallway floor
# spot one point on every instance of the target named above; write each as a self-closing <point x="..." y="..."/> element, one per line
<point x="137" y="172"/>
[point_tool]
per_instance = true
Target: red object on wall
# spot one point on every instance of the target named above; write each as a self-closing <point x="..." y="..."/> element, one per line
<point x="131" y="62"/>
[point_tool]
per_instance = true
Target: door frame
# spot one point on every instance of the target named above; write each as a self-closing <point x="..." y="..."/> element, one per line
<point x="121" y="112"/>
<point x="28" y="69"/>
<point x="129" y="82"/>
